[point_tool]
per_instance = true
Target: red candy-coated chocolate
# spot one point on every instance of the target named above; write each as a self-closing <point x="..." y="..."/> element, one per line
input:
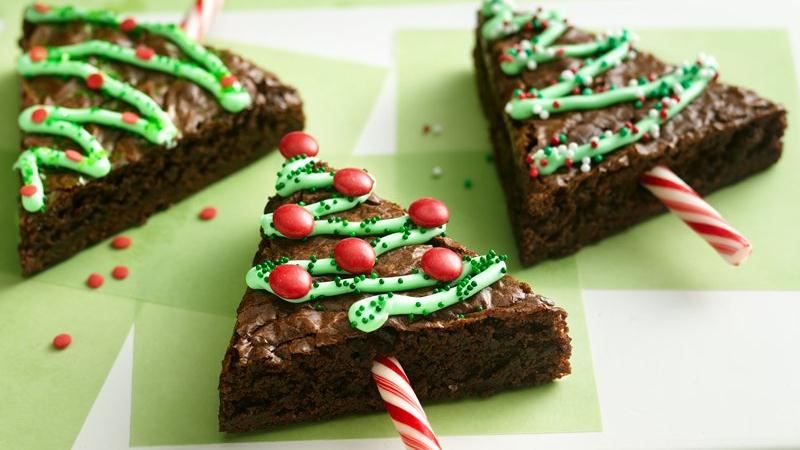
<point x="38" y="53"/>
<point x="73" y="155"/>
<point x="227" y="81"/>
<point x="29" y="190"/>
<point x="428" y="212"/>
<point x="95" y="280"/>
<point x="144" y="53"/>
<point x="41" y="8"/>
<point x="39" y="115"/>
<point x="352" y="182"/>
<point x="354" y="255"/>
<point x="121" y="242"/>
<point x="207" y="213"/>
<point x="442" y="264"/>
<point x="298" y="143"/>
<point x="120" y="272"/>
<point x="293" y="221"/>
<point x="94" y="81"/>
<point x="290" y="281"/>
<point x="128" y="25"/>
<point x="62" y="341"/>
<point x="130" y="118"/>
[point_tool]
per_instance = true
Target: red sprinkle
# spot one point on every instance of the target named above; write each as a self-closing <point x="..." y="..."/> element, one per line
<point x="120" y="272"/>
<point x="529" y="158"/>
<point x="128" y="25"/>
<point x="95" y="280"/>
<point x="38" y="53"/>
<point x="207" y="213"/>
<point x="73" y="155"/>
<point x="663" y="113"/>
<point x="560" y="52"/>
<point x="533" y="172"/>
<point x="28" y="190"/>
<point x="121" y="242"/>
<point x="290" y="281"/>
<point x="298" y="143"/>
<point x="555" y="140"/>
<point x="41" y="8"/>
<point x="506" y="58"/>
<point x="646" y="137"/>
<point x="144" y="53"/>
<point x="593" y="143"/>
<point x="568" y="162"/>
<point x="543" y="162"/>
<point x="576" y="90"/>
<point x="62" y="341"/>
<point x="95" y="81"/>
<point x="130" y="118"/>
<point x="556" y="104"/>
<point x="227" y="81"/>
<point x="293" y="221"/>
<point x="38" y="115"/>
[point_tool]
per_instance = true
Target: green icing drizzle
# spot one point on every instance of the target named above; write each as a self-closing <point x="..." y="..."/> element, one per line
<point x="301" y="173"/>
<point x="153" y="123"/>
<point x="572" y="91"/>
<point x="369" y="314"/>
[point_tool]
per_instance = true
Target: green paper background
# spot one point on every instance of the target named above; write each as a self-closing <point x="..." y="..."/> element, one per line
<point x="186" y="275"/>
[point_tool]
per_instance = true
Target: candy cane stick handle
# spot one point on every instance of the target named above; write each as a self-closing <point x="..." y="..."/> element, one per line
<point x="199" y="17"/>
<point x="402" y="405"/>
<point x="687" y="204"/>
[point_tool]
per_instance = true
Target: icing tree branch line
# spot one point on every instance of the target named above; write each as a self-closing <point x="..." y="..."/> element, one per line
<point x="149" y="121"/>
<point x="453" y="278"/>
<point x="573" y="91"/>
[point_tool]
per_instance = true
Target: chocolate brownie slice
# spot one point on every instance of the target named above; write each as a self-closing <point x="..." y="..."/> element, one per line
<point x="570" y="153"/>
<point x="122" y="119"/>
<point x="303" y="351"/>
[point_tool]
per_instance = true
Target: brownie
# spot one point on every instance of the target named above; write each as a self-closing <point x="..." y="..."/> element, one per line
<point x="724" y="135"/>
<point x="145" y="177"/>
<point x="295" y="362"/>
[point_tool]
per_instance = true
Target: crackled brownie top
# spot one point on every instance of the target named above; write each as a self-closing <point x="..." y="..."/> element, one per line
<point x="99" y="92"/>
<point x="580" y="103"/>
<point x="314" y="283"/>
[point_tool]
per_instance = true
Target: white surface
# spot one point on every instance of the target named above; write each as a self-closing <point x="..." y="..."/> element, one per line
<point x="674" y="370"/>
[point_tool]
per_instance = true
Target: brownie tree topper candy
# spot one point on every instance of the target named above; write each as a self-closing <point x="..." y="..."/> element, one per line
<point x="453" y="278"/>
<point x="149" y="121"/>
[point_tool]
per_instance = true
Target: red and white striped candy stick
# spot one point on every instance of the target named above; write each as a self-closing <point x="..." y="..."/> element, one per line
<point x="199" y="17"/>
<point x="402" y="405"/>
<point x="687" y="204"/>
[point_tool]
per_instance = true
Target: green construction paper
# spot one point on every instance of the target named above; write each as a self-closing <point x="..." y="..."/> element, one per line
<point x="679" y="259"/>
<point x="48" y="393"/>
<point x="175" y="399"/>
<point x="436" y="87"/>
<point x="168" y="254"/>
<point x="759" y="59"/>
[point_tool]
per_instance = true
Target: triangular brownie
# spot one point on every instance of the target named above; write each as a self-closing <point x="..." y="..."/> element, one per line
<point x="122" y="119"/>
<point x="576" y="118"/>
<point x="360" y="277"/>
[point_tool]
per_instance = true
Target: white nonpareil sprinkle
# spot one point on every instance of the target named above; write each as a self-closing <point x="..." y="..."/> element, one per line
<point x="437" y="171"/>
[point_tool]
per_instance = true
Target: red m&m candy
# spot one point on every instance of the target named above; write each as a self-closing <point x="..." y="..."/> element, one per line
<point x="354" y="255"/>
<point x="298" y="143"/>
<point x="442" y="264"/>
<point x="428" y="212"/>
<point x="352" y="182"/>
<point x="293" y="221"/>
<point x="290" y="281"/>
<point x="128" y="25"/>
<point x="38" y="53"/>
